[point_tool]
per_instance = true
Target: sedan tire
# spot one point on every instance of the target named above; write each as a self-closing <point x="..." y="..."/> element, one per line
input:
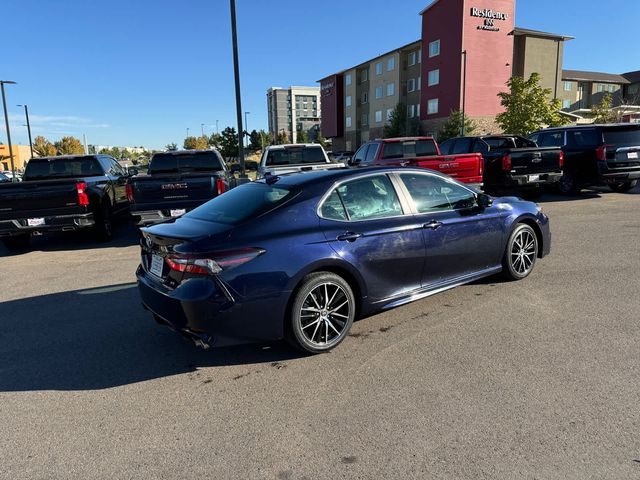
<point x="322" y="313"/>
<point x="521" y="253"/>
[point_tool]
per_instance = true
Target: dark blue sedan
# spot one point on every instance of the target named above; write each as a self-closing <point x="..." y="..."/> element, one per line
<point x="300" y="256"/>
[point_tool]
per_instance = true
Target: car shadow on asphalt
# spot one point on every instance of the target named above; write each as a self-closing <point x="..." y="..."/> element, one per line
<point x="102" y="338"/>
<point x="124" y="235"/>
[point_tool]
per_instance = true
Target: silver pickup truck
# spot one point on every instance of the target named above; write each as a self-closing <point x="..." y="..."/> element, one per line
<point x="281" y="159"/>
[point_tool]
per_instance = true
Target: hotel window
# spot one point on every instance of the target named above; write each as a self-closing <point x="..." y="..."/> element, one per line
<point x="391" y="64"/>
<point x="378" y="116"/>
<point x="600" y="88"/>
<point x="434" y="77"/>
<point x="365" y="98"/>
<point x="566" y="104"/>
<point x="347" y="79"/>
<point x="434" y="48"/>
<point x="391" y="89"/>
<point x="411" y="111"/>
<point x="364" y="76"/>
<point x="567" y="86"/>
<point x="347" y="101"/>
<point x="420" y="55"/>
<point x="419" y="86"/>
<point x="389" y="113"/>
<point x="411" y="85"/>
<point x="379" y="68"/>
<point x="432" y="106"/>
<point x="347" y="122"/>
<point x="411" y="58"/>
<point x="365" y="119"/>
<point x="378" y="92"/>
<point x="417" y="109"/>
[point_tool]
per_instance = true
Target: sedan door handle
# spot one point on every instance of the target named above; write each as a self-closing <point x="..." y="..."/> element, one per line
<point x="349" y="237"/>
<point x="432" y="225"/>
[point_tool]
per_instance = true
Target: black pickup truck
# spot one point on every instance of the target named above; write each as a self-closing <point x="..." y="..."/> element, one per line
<point x="60" y="194"/>
<point x="511" y="162"/>
<point x="176" y="183"/>
<point x="596" y="155"/>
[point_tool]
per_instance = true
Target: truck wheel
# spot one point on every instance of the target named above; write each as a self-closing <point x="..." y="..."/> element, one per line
<point x="568" y="184"/>
<point x="17" y="242"/>
<point x="521" y="253"/>
<point x="321" y="314"/>
<point x="623" y="187"/>
<point x="104" y="222"/>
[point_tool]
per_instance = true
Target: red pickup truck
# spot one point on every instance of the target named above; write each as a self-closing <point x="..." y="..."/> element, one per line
<point x="420" y="152"/>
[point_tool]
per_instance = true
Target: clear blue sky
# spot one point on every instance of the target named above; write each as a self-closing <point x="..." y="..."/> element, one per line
<point x="139" y="72"/>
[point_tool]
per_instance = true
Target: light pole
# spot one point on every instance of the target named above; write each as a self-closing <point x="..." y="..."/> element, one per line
<point x="246" y="126"/>
<point x="236" y="71"/>
<point x="202" y="128"/>
<point x="6" y="122"/>
<point x="464" y="88"/>
<point x="217" y="127"/>
<point x="26" y="113"/>
<point x="187" y="132"/>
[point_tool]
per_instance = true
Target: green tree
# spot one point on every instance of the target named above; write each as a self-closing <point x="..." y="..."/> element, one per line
<point x="320" y="139"/>
<point x="265" y="139"/>
<point x="190" y="143"/>
<point x="215" y="140"/>
<point x="302" y="136"/>
<point x="399" y="125"/>
<point x="602" y="112"/>
<point x="43" y="147"/>
<point x="171" y="147"/>
<point x="69" y="146"/>
<point x="528" y="107"/>
<point x="256" y="140"/>
<point x="229" y="143"/>
<point x="452" y="127"/>
<point x="282" y="138"/>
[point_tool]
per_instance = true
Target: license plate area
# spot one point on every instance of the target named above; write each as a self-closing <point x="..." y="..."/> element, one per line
<point x="534" y="178"/>
<point x="632" y="155"/>
<point x="156" y="267"/>
<point x="35" y="222"/>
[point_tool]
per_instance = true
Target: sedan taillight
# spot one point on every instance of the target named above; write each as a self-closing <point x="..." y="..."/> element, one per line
<point x="211" y="264"/>
<point x="81" y="190"/>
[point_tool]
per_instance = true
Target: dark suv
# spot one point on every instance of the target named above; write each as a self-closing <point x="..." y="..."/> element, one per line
<point x="596" y="155"/>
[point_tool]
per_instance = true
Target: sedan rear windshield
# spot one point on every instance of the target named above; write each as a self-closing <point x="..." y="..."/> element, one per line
<point x="627" y="137"/>
<point x="43" y="168"/>
<point x="409" y="149"/>
<point x="188" y="161"/>
<point x="295" y="156"/>
<point x="242" y="203"/>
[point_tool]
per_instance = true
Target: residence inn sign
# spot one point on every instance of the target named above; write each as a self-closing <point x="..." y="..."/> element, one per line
<point x="490" y="16"/>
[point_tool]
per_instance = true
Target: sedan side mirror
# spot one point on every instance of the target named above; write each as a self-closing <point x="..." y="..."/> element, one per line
<point x="483" y="200"/>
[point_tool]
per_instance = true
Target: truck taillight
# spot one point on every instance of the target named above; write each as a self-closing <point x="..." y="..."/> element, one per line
<point x="81" y="189"/>
<point x="220" y="186"/>
<point x="129" y="189"/>
<point x="601" y="152"/>
<point x="212" y="263"/>
<point x="506" y="163"/>
<point x="561" y="160"/>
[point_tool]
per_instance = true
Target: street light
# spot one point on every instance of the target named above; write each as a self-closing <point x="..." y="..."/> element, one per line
<point x="187" y="132"/>
<point x="202" y="128"/>
<point x="464" y="88"/>
<point x="26" y="112"/>
<point x="246" y="126"/>
<point x="236" y="71"/>
<point x="217" y="127"/>
<point x="6" y="122"/>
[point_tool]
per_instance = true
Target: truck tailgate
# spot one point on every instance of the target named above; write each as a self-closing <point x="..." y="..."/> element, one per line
<point x="174" y="188"/>
<point x="466" y="168"/>
<point x="275" y="170"/>
<point x="34" y="198"/>
<point x="535" y="160"/>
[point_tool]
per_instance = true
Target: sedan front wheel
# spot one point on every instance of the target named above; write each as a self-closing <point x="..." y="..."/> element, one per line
<point x="322" y="312"/>
<point x="521" y="253"/>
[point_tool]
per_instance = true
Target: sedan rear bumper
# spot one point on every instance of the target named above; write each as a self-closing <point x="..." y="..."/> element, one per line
<point x="58" y="223"/>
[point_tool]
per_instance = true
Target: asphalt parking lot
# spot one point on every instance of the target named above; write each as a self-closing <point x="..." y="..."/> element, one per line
<point x="535" y="379"/>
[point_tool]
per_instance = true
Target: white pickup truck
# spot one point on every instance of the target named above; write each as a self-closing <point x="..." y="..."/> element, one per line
<point x="303" y="157"/>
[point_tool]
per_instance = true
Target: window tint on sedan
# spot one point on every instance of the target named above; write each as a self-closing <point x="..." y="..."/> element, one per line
<point x="431" y="193"/>
<point x="370" y="198"/>
<point x="332" y="208"/>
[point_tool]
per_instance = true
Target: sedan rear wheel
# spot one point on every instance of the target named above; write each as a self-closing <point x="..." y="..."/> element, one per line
<point x="521" y="253"/>
<point x="322" y="312"/>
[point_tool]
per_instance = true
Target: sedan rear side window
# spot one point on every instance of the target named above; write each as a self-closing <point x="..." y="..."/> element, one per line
<point x="431" y="193"/>
<point x="363" y="199"/>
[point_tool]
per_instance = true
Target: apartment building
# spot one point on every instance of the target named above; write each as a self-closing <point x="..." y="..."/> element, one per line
<point x="293" y="110"/>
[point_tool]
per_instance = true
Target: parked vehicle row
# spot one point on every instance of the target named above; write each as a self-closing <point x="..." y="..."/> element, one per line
<point x="363" y="240"/>
<point x="596" y="155"/>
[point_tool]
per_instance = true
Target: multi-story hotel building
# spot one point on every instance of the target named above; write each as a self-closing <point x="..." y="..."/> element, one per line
<point x="292" y="110"/>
